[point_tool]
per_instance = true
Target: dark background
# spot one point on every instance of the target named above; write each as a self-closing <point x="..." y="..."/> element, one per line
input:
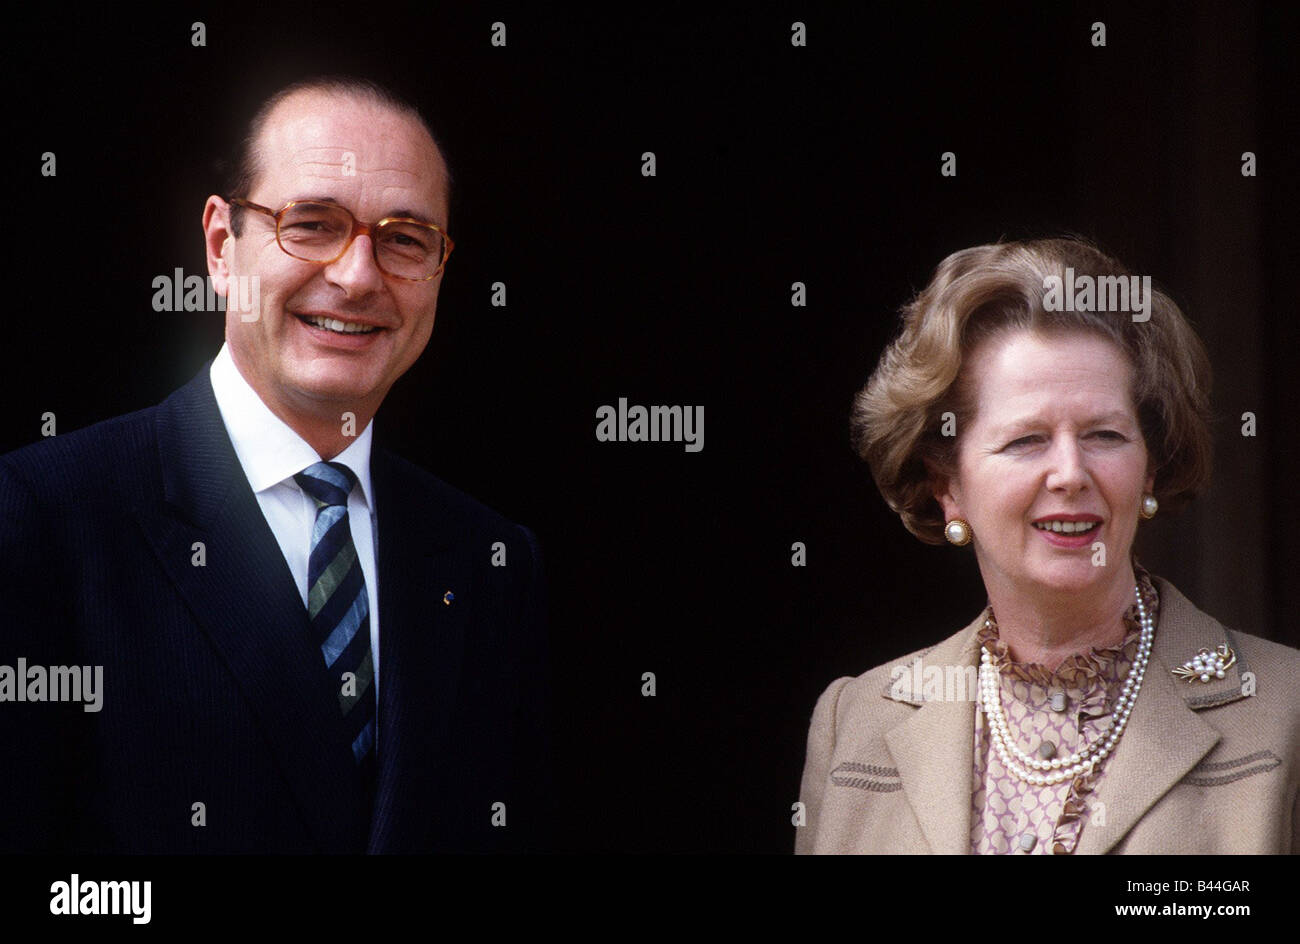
<point x="775" y="164"/>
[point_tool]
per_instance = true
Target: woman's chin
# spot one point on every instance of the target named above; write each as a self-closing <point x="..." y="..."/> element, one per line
<point x="1070" y="575"/>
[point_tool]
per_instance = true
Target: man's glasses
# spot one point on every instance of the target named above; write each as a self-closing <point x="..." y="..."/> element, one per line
<point x="322" y="232"/>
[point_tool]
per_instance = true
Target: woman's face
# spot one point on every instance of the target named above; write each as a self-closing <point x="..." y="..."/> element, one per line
<point x="1055" y="437"/>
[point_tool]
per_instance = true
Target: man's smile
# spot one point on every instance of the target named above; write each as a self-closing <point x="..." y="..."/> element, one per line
<point x="340" y="333"/>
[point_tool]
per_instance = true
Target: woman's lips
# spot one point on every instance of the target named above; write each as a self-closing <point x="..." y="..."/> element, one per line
<point x="1076" y="539"/>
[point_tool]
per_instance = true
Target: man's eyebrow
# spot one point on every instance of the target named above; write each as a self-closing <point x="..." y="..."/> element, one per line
<point x="311" y="198"/>
<point x="400" y="211"/>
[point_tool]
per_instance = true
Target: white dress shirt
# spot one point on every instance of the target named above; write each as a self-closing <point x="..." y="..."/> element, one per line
<point x="271" y="454"/>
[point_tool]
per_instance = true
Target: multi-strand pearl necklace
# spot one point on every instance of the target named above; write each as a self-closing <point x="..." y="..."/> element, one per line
<point x="1081" y="762"/>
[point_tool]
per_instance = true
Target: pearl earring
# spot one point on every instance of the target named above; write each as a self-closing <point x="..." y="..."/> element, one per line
<point x="957" y="532"/>
<point x="1149" y="506"/>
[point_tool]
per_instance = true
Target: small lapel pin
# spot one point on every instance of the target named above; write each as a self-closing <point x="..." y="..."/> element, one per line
<point x="1207" y="665"/>
<point x="448" y="597"/>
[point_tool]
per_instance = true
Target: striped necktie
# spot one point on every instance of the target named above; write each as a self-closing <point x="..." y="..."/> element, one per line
<point x="339" y="607"/>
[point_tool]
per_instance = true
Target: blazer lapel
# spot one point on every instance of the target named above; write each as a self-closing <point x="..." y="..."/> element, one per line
<point x="934" y="750"/>
<point x="421" y="643"/>
<point x="1165" y="737"/>
<point x="245" y="600"/>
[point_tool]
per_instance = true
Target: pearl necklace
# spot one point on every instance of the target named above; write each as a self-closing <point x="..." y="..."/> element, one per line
<point x="1059" y="769"/>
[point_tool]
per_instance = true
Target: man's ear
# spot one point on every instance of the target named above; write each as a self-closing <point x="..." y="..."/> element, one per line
<point x="217" y="238"/>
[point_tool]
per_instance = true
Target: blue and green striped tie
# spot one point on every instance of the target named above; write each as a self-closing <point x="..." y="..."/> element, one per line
<point x="339" y="607"/>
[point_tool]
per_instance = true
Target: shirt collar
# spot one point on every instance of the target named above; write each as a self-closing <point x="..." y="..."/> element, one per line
<point x="267" y="447"/>
<point x="1106" y="663"/>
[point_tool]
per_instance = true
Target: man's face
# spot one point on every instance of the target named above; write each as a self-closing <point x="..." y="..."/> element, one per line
<point x="376" y="163"/>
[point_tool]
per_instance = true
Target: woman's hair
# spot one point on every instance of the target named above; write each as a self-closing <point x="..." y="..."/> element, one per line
<point x="898" y="417"/>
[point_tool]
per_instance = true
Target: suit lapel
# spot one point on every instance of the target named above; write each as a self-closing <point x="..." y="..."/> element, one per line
<point x="934" y="752"/>
<point x="245" y="600"/>
<point x="421" y="646"/>
<point x="1165" y="737"/>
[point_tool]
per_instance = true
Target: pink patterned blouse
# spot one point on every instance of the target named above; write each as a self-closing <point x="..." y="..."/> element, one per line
<point x="1049" y="714"/>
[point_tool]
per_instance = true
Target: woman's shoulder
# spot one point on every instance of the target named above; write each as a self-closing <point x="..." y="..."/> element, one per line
<point x="1266" y="654"/>
<point x="1187" y="627"/>
<point x="945" y="671"/>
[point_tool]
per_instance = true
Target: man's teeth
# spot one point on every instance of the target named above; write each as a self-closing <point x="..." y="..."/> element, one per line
<point x="343" y="327"/>
<point x="1066" y="527"/>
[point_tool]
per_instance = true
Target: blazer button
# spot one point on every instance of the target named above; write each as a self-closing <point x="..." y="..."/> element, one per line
<point x="1046" y="750"/>
<point x="1058" y="701"/>
<point x="1027" y="841"/>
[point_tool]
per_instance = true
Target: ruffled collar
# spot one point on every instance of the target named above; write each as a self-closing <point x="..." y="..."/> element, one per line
<point x="1082" y="670"/>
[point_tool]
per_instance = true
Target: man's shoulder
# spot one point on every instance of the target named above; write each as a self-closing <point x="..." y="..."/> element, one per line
<point x="74" y="465"/>
<point x="424" y="493"/>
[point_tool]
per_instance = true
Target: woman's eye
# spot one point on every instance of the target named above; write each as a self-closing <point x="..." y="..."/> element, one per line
<point x="1024" y="441"/>
<point x="1110" y="434"/>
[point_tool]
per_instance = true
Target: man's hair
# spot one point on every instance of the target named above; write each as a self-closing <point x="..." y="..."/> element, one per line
<point x="246" y="166"/>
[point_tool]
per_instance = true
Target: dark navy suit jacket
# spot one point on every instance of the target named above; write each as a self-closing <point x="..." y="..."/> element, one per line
<point x="213" y="692"/>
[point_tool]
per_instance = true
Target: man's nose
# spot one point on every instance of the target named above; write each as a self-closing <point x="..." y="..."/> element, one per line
<point x="356" y="271"/>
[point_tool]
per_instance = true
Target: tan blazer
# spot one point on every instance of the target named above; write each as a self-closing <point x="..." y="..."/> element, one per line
<point x="1201" y="767"/>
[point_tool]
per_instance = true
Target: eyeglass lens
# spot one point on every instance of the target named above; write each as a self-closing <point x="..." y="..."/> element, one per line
<point x="318" y="232"/>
